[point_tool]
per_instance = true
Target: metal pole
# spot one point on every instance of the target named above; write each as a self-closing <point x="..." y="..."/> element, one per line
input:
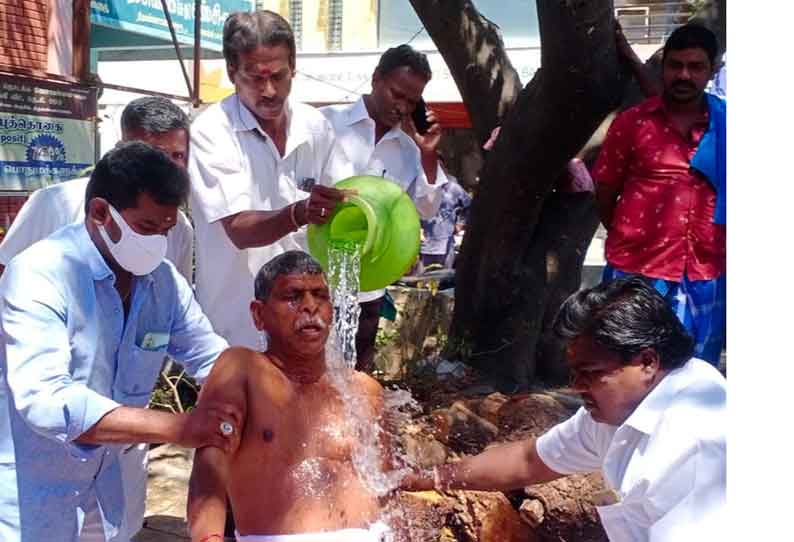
<point x="176" y="46"/>
<point x="197" y="55"/>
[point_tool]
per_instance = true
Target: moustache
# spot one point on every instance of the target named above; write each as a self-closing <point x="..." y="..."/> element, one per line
<point x="310" y="321"/>
<point x="683" y="84"/>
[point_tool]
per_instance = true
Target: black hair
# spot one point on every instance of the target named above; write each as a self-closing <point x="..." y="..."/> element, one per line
<point x="134" y="168"/>
<point x="292" y="262"/>
<point x="691" y="36"/>
<point x="244" y="31"/>
<point x="153" y="114"/>
<point x="626" y="316"/>
<point x="404" y="55"/>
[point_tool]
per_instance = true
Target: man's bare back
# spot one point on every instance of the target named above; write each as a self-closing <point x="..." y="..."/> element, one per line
<point x="293" y="471"/>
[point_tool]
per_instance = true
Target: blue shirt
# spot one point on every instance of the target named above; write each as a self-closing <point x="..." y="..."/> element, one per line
<point x="68" y="359"/>
<point x="439" y="229"/>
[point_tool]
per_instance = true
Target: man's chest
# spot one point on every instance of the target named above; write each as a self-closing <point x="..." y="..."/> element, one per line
<point x="390" y="157"/>
<point x="288" y="433"/>
<point x="273" y="178"/>
<point x="663" y="150"/>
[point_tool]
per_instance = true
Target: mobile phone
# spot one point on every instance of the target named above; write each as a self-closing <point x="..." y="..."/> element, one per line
<point x="419" y="117"/>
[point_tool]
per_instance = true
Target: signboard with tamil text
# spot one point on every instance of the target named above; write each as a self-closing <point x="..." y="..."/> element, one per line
<point x="47" y="132"/>
<point x="146" y="17"/>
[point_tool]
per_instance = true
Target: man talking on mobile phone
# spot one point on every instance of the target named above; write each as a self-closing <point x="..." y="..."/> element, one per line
<point x="378" y="135"/>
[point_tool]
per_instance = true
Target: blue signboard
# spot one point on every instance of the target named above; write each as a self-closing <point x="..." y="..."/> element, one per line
<point x="147" y="17"/>
<point x="46" y="132"/>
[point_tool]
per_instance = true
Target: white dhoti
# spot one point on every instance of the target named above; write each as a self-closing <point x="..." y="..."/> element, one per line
<point x="377" y="532"/>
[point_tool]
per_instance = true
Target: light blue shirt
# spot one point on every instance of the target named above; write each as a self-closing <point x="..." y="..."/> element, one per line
<point x="68" y="359"/>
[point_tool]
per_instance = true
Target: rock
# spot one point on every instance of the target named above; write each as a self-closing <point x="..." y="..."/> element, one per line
<point x="420" y="516"/>
<point x="490" y="406"/>
<point x="462" y="430"/>
<point x="423" y="452"/>
<point x="483" y="516"/>
<point x="568" y="509"/>
<point x="531" y="512"/>
<point x="530" y="415"/>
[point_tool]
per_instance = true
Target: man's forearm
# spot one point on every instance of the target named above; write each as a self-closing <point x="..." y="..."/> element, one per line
<point x="249" y="229"/>
<point x="430" y="166"/>
<point x="206" y="500"/>
<point x="501" y="468"/>
<point x="130" y="424"/>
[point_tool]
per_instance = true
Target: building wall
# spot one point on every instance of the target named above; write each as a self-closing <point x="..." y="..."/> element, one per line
<point x="23" y="33"/>
<point x="359" y="23"/>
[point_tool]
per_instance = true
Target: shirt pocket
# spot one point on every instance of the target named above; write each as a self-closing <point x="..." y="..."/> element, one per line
<point x="137" y="377"/>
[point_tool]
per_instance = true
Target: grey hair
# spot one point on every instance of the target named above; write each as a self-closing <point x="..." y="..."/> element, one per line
<point x="244" y="31"/>
<point x="292" y="262"/>
<point x="154" y="115"/>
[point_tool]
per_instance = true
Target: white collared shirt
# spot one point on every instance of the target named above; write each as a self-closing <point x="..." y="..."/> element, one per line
<point x="395" y="157"/>
<point x="49" y="209"/>
<point x="666" y="462"/>
<point x="234" y="167"/>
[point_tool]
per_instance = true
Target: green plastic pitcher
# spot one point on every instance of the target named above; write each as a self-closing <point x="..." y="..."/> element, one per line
<point x="382" y="218"/>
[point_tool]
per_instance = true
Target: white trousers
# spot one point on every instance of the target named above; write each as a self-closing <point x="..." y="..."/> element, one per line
<point x="377" y="532"/>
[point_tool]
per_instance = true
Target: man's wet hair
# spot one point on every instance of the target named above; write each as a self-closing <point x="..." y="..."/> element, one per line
<point x="292" y="262"/>
<point x="244" y="31"/>
<point x="626" y="316"/>
<point x="404" y="55"/>
<point x="154" y="115"/>
<point x="134" y="168"/>
<point x="691" y="36"/>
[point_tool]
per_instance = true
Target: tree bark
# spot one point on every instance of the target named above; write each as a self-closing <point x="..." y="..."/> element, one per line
<point x="517" y="223"/>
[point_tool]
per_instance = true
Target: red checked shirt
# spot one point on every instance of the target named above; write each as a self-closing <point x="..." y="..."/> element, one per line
<point x="662" y="226"/>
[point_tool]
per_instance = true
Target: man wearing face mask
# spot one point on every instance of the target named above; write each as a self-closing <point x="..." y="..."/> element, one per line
<point x="161" y="124"/>
<point x="378" y="137"/>
<point x="654" y="422"/>
<point x="86" y="317"/>
<point x="150" y="119"/>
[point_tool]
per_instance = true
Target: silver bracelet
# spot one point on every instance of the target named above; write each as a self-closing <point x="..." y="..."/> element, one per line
<point x="292" y="216"/>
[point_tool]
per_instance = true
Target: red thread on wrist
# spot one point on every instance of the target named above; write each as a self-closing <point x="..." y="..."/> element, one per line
<point x="211" y="536"/>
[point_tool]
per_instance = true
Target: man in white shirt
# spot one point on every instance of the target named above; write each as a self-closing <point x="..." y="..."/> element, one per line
<point x="249" y="153"/>
<point x="653" y="422"/>
<point x="153" y="120"/>
<point x="162" y="125"/>
<point x="377" y="136"/>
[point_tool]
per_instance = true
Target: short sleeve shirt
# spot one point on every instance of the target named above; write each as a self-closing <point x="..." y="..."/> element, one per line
<point x="663" y="222"/>
<point x="666" y="462"/>
<point x="234" y="167"/>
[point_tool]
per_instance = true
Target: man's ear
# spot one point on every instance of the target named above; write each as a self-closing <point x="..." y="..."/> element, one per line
<point x="98" y="211"/>
<point x="650" y="360"/>
<point x="257" y="309"/>
<point x="231" y="71"/>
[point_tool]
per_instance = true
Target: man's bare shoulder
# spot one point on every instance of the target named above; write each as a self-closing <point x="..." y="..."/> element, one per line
<point x="367" y="384"/>
<point x="232" y="368"/>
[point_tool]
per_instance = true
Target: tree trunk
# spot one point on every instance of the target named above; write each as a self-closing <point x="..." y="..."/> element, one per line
<point x="517" y="223"/>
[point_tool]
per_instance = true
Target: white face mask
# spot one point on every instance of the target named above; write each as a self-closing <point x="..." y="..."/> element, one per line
<point x="138" y="254"/>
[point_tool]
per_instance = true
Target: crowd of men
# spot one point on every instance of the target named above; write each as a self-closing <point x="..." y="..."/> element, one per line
<point x="96" y="291"/>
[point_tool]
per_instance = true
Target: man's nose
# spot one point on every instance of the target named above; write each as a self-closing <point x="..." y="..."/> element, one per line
<point x="309" y="303"/>
<point x="268" y="89"/>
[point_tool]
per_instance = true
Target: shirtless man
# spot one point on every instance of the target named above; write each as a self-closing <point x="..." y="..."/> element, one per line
<point x="292" y="472"/>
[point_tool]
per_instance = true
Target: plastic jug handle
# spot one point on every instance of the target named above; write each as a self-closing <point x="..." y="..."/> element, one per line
<point x="372" y="221"/>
